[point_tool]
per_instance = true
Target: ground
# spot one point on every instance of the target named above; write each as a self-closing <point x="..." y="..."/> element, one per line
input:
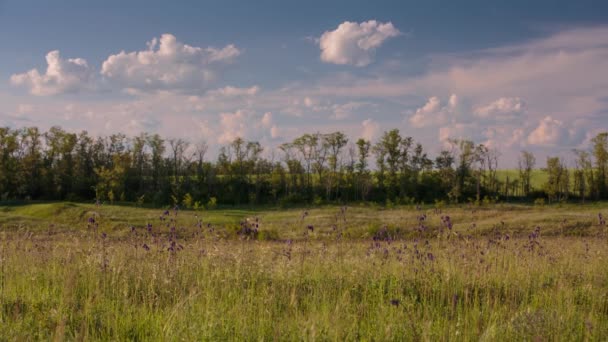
<point x="359" y="272"/>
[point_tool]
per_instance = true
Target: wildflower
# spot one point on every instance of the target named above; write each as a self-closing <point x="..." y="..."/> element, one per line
<point x="447" y="222"/>
<point x="172" y="247"/>
<point x="146" y="247"/>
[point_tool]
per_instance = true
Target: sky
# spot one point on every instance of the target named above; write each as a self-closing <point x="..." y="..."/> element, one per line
<point x="516" y="75"/>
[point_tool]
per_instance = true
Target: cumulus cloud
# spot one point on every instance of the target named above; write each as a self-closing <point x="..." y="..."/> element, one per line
<point x="267" y="119"/>
<point x="369" y="129"/>
<point x="355" y="43"/>
<point x="230" y="91"/>
<point x="245" y="124"/>
<point x="502" y="109"/>
<point x="434" y="113"/>
<point x="491" y="124"/>
<point x="61" y="76"/>
<point x="345" y="110"/>
<point x="549" y="132"/>
<point x="469" y="131"/>
<point x="168" y="64"/>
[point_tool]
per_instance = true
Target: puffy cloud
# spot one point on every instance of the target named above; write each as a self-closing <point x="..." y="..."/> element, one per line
<point x="502" y="109"/>
<point x="245" y="124"/>
<point x="433" y="113"/>
<point x="355" y="43"/>
<point x="309" y="102"/>
<point x="267" y="119"/>
<point x="168" y="64"/>
<point x="469" y="131"/>
<point x="548" y="132"/>
<point x="24" y="108"/>
<point x="275" y="132"/>
<point x="343" y="111"/>
<point x="61" y="76"/>
<point x="369" y="129"/>
<point x="230" y="91"/>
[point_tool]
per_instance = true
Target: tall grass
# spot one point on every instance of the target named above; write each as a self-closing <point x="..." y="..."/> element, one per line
<point x="206" y="282"/>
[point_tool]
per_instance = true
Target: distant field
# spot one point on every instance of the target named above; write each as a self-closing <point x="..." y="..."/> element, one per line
<point x="539" y="177"/>
<point x="504" y="272"/>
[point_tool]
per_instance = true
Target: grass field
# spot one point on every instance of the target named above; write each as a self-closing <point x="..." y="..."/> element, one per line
<point x="502" y="272"/>
<point x="537" y="179"/>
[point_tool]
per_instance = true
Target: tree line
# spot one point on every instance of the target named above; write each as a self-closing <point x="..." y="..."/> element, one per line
<point x="313" y="168"/>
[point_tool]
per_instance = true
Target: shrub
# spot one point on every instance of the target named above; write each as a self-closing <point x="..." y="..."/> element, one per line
<point x="187" y="201"/>
<point x="212" y="204"/>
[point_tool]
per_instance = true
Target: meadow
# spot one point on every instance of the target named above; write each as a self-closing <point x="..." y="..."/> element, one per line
<point x="73" y="271"/>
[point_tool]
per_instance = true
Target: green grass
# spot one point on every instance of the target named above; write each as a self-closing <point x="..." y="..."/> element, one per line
<point x="484" y="279"/>
<point x="537" y="179"/>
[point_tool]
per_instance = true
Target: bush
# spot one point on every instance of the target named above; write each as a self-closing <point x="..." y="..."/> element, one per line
<point x="268" y="235"/>
<point x="317" y="200"/>
<point x="187" y="201"/>
<point x="212" y="204"/>
<point x="291" y="199"/>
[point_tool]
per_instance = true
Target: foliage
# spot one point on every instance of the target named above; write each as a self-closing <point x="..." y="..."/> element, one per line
<point x="312" y="168"/>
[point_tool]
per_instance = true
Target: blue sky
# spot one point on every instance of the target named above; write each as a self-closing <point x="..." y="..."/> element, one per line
<point x="513" y="75"/>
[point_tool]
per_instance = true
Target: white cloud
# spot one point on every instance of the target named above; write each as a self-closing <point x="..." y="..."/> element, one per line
<point x="369" y="129"/>
<point x="502" y="109"/>
<point x="230" y="91"/>
<point x="267" y="119"/>
<point x="433" y="113"/>
<point x="309" y="102"/>
<point x="168" y="64"/>
<point x="504" y="98"/>
<point x="275" y="132"/>
<point x="355" y="43"/>
<point x="245" y="124"/>
<point x="61" y="76"/>
<point x="345" y="110"/>
<point x="549" y="132"/>
<point x="467" y="131"/>
<point x="24" y="108"/>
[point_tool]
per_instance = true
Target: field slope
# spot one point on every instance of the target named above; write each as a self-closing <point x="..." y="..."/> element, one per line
<point x="501" y="272"/>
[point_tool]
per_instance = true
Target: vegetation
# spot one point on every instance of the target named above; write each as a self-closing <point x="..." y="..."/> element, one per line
<point x="314" y="168"/>
<point x="495" y="272"/>
<point x="250" y="248"/>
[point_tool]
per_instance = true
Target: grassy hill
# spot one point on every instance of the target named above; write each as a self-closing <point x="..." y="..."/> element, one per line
<point x="538" y="179"/>
<point x="500" y="272"/>
<point x="358" y="222"/>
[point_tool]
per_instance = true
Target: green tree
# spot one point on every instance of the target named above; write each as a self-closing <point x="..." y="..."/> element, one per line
<point x="526" y="164"/>
<point x="558" y="181"/>
<point x="600" y="152"/>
